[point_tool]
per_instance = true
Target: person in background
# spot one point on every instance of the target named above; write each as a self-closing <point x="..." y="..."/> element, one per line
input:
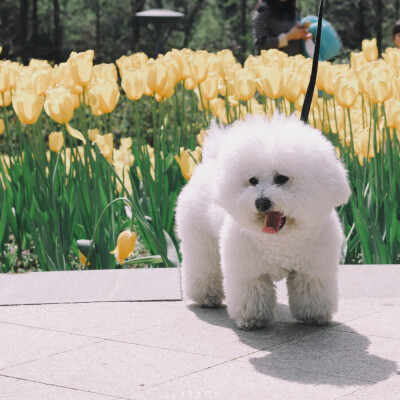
<point x="275" y="25"/>
<point x="396" y="33"/>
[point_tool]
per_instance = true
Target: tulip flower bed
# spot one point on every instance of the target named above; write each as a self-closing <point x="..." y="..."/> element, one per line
<point x="91" y="161"/>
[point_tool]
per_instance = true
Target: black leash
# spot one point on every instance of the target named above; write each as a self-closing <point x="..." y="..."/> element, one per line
<point x="311" y="85"/>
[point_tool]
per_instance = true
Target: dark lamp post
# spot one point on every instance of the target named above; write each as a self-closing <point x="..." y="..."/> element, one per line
<point x="161" y="18"/>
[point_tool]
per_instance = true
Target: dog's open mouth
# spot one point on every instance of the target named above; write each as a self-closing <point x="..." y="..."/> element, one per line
<point x="274" y="222"/>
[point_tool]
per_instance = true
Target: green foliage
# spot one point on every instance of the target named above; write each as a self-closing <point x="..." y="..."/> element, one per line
<point x="110" y="27"/>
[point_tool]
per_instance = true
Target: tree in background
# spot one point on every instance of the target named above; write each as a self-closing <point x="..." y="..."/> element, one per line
<point x="51" y="29"/>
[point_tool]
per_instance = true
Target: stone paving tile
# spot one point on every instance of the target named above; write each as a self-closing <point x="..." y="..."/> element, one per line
<point x="20" y="344"/>
<point x="92" y="319"/>
<point x="334" y="353"/>
<point x="239" y="381"/>
<point x="212" y="332"/>
<point x="17" y="389"/>
<point x="112" y="368"/>
<point x="385" y="324"/>
<point x="386" y="390"/>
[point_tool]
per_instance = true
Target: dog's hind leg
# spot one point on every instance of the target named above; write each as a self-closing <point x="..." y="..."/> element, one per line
<point x="202" y="277"/>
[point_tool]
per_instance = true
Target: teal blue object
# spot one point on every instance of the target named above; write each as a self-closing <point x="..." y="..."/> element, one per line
<point x="330" y="42"/>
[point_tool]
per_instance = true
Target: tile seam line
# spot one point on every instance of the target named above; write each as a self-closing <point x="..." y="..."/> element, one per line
<point x="357" y="390"/>
<point x="112" y="396"/>
<point x="157" y="347"/>
<point x="87" y="302"/>
<point x="51" y="330"/>
<point x="83" y="335"/>
<point x="50" y="355"/>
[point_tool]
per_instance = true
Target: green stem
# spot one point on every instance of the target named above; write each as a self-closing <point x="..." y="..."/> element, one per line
<point x="98" y="224"/>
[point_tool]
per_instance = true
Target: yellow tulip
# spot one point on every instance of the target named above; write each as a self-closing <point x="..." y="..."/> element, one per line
<point x="105" y="72"/>
<point x="75" y="133"/>
<point x="56" y="141"/>
<point x="125" y="246"/>
<point x="200" y="137"/>
<point x="188" y="160"/>
<point x="217" y="107"/>
<point x="209" y="87"/>
<point x="175" y="67"/>
<point x="36" y="63"/>
<point x="304" y="70"/>
<point x="346" y="90"/>
<point x="321" y="79"/>
<point x="41" y="81"/>
<point x="62" y="76"/>
<point x="157" y="74"/>
<point x="300" y="100"/>
<point x="330" y="75"/>
<point x="215" y="64"/>
<point x="227" y="58"/>
<point x="122" y="171"/>
<point x="105" y="144"/>
<point x="357" y="60"/>
<point x="59" y="104"/>
<point x="245" y="85"/>
<point x="28" y="106"/>
<point x="363" y="76"/>
<point x="370" y="49"/>
<point x="4" y="79"/>
<point x="273" y="56"/>
<point x="13" y="69"/>
<point x="82" y="259"/>
<point x="396" y="88"/>
<point x="379" y="90"/>
<point x="126" y="143"/>
<point x="190" y="84"/>
<point x="256" y="107"/>
<point x="364" y="144"/>
<point x="104" y="95"/>
<point x="2" y="127"/>
<point x="92" y="133"/>
<point x="123" y="63"/>
<point x="292" y="86"/>
<point x="392" y="108"/>
<point x="270" y="82"/>
<point x="182" y="58"/>
<point x="198" y="66"/>
<point x="5" y="98"/>
<point x="392" y="56"/>
<point x="139" y="60"/>
<point x="133" y="84"/>
<point x="82" y="67"/>
<point x="324" y="125"/>
<point x="168" y="89"/>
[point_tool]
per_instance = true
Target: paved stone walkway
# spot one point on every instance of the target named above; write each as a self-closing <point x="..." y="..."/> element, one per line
<point x="154" y="350"/>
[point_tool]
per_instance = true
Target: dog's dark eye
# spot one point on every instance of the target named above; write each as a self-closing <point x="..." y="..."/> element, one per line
<point x="253" y="181"/>
<point x="280" y="179"/>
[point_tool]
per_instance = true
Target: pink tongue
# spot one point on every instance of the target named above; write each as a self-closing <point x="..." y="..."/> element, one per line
<point x="273" y="222"/>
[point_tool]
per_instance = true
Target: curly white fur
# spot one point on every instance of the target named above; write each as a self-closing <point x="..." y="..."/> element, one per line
<point x="227" y="251"/>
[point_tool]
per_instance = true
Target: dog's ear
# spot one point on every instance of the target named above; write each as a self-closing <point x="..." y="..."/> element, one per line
<point x="213" y="140"/>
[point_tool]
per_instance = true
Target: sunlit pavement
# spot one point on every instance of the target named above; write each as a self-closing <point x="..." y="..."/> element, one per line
<point x="125" y="334"/>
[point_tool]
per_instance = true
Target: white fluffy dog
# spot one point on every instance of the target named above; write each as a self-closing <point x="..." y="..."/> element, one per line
<point x="260" y="207"/>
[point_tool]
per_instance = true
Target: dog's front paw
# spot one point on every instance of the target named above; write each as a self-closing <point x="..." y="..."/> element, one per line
<point x="251" y="324"/>
<point x="309" y="318"/>
<point x="317" y="320"/>
<point x="211" y="302"/>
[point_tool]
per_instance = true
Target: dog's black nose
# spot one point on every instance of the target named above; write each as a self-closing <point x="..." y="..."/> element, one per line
<point x="263" y="204"/>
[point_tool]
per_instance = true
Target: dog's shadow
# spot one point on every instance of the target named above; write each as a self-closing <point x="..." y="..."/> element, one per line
<point x="289" y="350"/>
